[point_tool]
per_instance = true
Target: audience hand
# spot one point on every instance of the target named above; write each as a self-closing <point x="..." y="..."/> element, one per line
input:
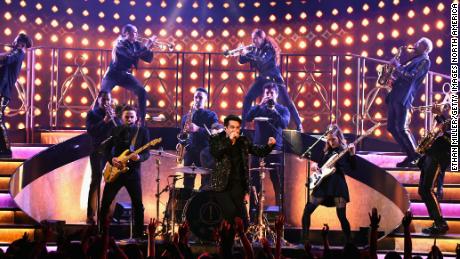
<point x="183" y="233"/>
<point x="325" y="231"/>
<point x="407" y="219"/>
<point x="239" y="227"/>
<point x="271" y="141"/>
<point x="279" y="225"/>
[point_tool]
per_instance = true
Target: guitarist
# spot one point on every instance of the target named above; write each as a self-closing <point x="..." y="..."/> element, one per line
<point x="333" y="190"/>
<point x="128" y="136"/>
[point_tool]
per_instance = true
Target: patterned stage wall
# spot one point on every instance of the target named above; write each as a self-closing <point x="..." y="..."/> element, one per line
<point x="312" y="29"/>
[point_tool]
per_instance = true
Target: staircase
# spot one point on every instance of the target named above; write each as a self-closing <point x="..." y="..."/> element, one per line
<point x="450" y="207"/>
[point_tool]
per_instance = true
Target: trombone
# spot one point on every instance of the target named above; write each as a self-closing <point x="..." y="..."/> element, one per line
<point x="158" y="44"/>
<point x="235" y="52"/>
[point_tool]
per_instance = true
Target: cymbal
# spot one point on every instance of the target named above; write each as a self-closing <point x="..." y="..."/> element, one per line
<point x="276" y="152"/>
<point x="261" y="169"/>
<point x="191" y="170"/>
<point x="161" y="153"/>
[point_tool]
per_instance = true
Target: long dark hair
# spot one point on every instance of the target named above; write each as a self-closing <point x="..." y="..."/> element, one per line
<point x="269" y="40"/>
<point x="336" y="131"/>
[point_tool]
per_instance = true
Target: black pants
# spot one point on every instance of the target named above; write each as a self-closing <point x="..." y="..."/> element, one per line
<point x="398" y="125"/>
<point x="97" y="162"/>
<point x="257" y="89"/>
<point x="232" y="201"/>
<point x="4" y="142"/>
<point x="193" y="157"/>
<point x="429" y="173"/>
<point x="276" y="177"/>
<point x="127" y="81"/>
<point x="134" y="188"/>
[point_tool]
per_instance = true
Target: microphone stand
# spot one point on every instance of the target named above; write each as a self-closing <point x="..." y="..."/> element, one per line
<point x="307" y="155"/>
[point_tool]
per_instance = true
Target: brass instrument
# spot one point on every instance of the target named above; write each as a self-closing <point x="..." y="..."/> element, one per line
<point x="183" y="136"/>
<point x="427" y="141"/>
<point x="386" y="71"/>
<point x="235" y="52"/>
<point x="109" y="111"/>
<point x="158" y="44"/>
<point x="427" y="108"/>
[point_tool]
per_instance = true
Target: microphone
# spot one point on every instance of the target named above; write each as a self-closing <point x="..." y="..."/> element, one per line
<point x="262" y="119"/>
<point x="158" y="118"/>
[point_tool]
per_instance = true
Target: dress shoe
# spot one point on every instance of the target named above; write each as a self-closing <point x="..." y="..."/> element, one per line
<point x="407" y="162"/>
<point x="90" y="221"/>
<point x="436" y="229"/>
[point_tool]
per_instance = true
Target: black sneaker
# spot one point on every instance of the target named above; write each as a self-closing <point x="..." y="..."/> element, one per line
<point x="436" y="229"/>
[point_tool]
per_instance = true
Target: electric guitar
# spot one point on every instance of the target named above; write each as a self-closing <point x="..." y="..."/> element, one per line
<point x="329" y="167"/>
<point x="111" y="173"/>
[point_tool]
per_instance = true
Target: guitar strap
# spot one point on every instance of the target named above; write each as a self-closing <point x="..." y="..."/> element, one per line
<point x="133" y="141"/>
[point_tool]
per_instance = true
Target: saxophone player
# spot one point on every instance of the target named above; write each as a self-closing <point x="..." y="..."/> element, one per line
<point x="408" y="78"/>
<point x="435" y="159"/>
<point x="197" y="138"/>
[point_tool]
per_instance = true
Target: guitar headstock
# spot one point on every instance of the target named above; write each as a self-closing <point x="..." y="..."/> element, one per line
<point x="369" y="131"/>
<point x="155" y="141"/>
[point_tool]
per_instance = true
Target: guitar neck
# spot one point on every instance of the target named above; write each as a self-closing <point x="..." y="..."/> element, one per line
<point x="137" y="151"/>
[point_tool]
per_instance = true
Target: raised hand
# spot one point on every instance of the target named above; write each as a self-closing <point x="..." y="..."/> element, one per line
<point x="407" y="219"/>
<point x="183" y="233"/>
<point x="271" y="141"/>
<point x="239" y="227"/>
<point x="374" y="218"/>
<point x="325" y="231"/>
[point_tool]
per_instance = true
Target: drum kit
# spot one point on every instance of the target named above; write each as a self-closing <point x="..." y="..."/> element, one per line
<point x="202" y="209"/>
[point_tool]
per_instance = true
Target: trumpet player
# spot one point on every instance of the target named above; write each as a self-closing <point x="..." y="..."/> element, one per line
<point x="265" y="58"/>
<point x="408" y="78"/>
<point x="125" y="56"/>
<point x="99" y="124"/>
<point x="10" y="66"/>
<point x="195" y="137"/>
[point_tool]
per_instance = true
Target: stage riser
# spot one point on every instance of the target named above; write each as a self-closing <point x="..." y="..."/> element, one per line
<point x="7" y="168"/>
<point x="8" y="235"/>
<point x="419" y="245"/>
<point x="15" y="217"/>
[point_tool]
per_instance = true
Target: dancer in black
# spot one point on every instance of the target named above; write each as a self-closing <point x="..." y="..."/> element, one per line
<point x="333" y="190"/>
<point x="125" y="56"/>
<point x="10" y="67"/>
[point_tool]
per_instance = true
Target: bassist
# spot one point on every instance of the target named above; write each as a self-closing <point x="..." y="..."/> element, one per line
<point x="333" y="190"/>
<point x="128" y="136"/>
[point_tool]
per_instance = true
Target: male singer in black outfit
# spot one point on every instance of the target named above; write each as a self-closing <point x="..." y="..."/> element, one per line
<point x="265" y="57"/>
<point x="125" y="56"/>
<point x="278" y="119"/>
<point x="435" y="159"/>
<point x="10" y="67"/>
<point x="230" y="178"/>
<point x="198" y="135"/>
<point x="409" y="78"/>
<point x="122" y="139"/>
<point x="99" y="124"/>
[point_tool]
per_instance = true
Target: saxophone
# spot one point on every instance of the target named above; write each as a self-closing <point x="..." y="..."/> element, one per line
<point x="386" y="71"/>
<point x="183" y="137"/>
<point x="427" y="141"/>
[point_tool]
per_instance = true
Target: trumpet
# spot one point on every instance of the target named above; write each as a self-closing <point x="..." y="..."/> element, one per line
<point x="427" y="108"/>
<point x="158" y="44"/>
<point x="235" y="52"/>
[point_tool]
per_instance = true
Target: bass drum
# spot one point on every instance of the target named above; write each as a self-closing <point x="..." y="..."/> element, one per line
<point x="204" y="214"/>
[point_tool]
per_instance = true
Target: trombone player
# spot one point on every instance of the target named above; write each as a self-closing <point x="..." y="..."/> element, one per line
<point x="125" y="56"/>
<point x="194" y="136"/>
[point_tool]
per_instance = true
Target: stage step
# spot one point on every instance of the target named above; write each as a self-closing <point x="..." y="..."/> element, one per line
<point x="9" y="166"/>
<point x="449" y="210"/>
<point x="418" y="223"/>
<point x="26" y="151"/>
<point x="413" y="176"/>
<point x="451" y="193"/>
<point x="11" y="232"/>
<point x="421" y="243"/>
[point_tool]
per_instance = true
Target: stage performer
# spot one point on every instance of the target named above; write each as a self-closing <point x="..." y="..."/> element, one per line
<point x="100" y="122"/>
<point x="270" y="119"/>
<point x="128" y="136"/>
<point x="10" y="67"/>
<point x="197" y="135"/>
<point x="230" y="177"/>
<point x="333" y="190"/>
<point x="265" y="58"/>
<point x="125" y="56"/>
<point x="435" y="159"/>
<point x="408" y="79"/>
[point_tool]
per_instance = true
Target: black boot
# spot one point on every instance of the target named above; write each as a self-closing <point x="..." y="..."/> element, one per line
<point x="5" y="148"/>
<point x="436" y="229"/>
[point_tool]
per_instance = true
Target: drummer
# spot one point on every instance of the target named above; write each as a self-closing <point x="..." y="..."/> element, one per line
<point x="270" y="118"/>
